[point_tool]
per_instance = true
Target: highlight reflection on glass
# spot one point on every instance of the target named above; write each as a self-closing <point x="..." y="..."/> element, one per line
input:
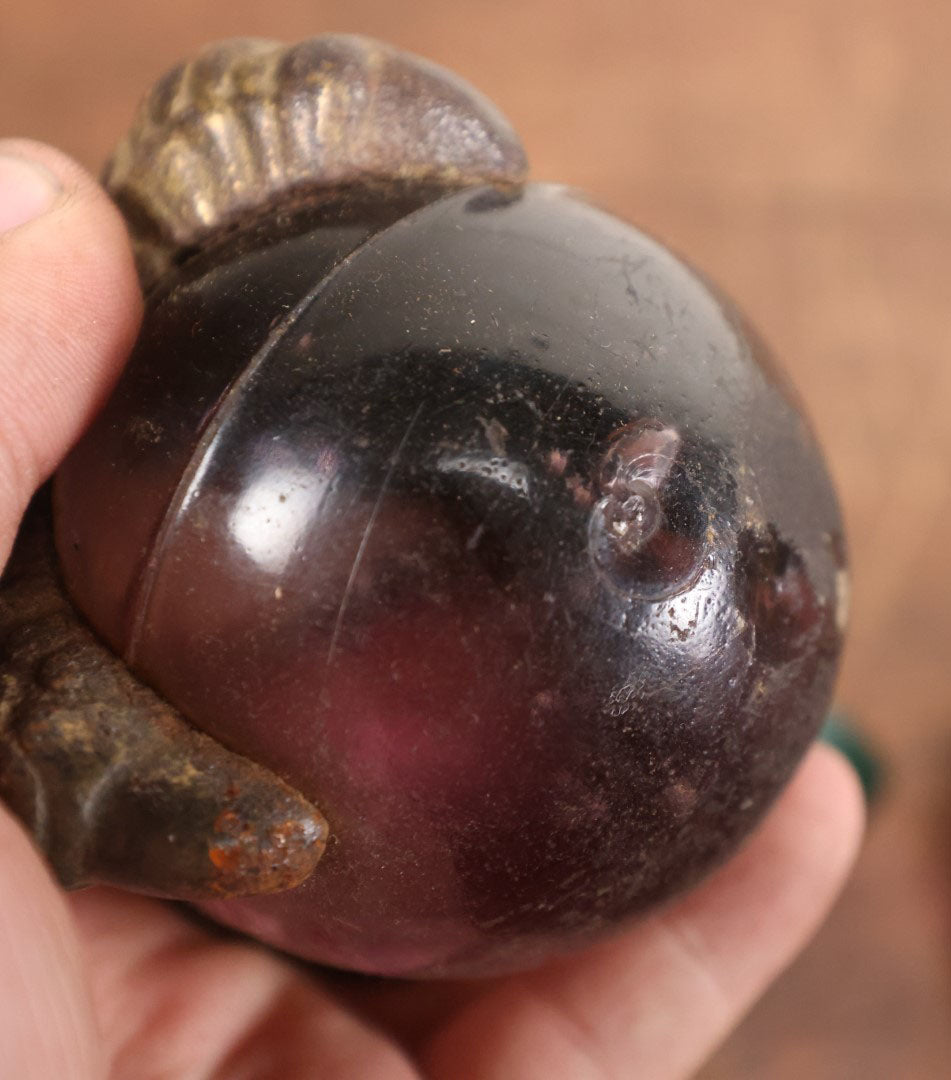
<point x="271" y="520"/>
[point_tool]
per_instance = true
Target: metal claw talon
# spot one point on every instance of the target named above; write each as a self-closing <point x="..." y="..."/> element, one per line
<point x="115" y="786"/>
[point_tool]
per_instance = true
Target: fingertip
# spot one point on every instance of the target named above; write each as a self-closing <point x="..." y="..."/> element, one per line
<point x="823" y="815"/>
<point x="76" y="186"/>
<point x="758" y="911"/>
<point x="82" y="238"/>
<point x="70" y="306"/>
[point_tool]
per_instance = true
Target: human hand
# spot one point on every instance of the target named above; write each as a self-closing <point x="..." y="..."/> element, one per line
<point x="103" y="984"/>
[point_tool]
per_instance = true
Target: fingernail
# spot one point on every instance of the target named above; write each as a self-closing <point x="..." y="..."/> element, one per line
<point x="26" y="190"/>
<point x="842" y="734"/>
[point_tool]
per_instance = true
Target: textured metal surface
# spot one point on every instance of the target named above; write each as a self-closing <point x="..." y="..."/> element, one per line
<point x="249" y="123"/>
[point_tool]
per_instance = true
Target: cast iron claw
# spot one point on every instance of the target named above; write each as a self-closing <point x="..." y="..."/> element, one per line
<point x="114" y="785"/>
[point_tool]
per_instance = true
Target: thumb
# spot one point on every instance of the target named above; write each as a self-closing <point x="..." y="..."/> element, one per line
<point x="69" y="309"/>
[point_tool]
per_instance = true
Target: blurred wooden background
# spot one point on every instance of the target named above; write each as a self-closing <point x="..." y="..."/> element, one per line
<point x="800" y="152"/>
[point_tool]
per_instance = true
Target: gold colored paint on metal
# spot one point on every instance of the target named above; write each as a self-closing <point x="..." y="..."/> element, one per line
<point x="249" y="123"/>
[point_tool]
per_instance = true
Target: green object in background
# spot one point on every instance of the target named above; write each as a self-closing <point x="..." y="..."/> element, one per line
<point x="840" y="732"/>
